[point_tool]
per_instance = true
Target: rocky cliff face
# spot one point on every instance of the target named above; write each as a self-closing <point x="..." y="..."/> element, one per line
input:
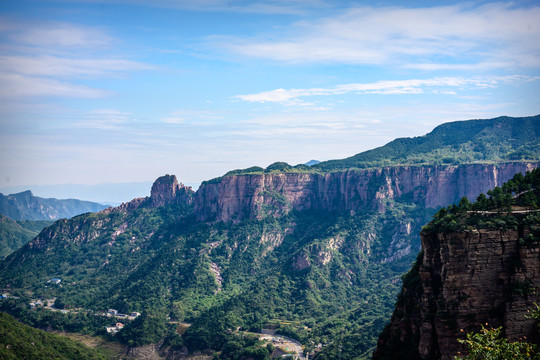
<point x="237" y="196"/>
<point x="166" y="190"/>
<point x="464" y="279"/>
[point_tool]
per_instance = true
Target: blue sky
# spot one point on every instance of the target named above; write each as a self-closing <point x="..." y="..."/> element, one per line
<point x="127" y="90"/>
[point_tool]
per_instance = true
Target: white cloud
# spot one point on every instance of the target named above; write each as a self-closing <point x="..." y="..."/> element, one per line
<point x="57" y="34"/>
<point x="498" y="34"/>
<point x="446" y="85"/>
<point x="16" y="85"/>
<point x="200" y="117"/>
<point x="105" y="119"/>
<point x="46" y="65"/>
<point x="49" y="58"/>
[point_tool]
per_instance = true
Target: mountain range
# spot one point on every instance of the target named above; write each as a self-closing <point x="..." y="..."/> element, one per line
<point x="315" y="253"/>
<point x="26" y="206"/>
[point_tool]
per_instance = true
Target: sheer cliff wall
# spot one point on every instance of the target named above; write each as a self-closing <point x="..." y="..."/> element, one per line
<point x="237" y="196"/>
<point x="463" y="280"/>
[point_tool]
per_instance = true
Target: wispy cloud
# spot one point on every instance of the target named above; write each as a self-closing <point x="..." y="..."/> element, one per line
<point x="497" y="34"/>
<point x="51" y="59"/>
<point x="446" y="85"/>
<point x="46" y="65"/>
<point x="55" y="34"/>
<point x="17" y="85"/>
<point x="191" y="116"/>
<point x="105" y="119"/>
<point x="286" y="7"/>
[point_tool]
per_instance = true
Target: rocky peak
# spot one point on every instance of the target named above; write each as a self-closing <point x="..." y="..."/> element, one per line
<point x="167" y="190"/>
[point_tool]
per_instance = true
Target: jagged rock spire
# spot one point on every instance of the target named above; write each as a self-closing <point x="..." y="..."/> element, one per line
<point x="167" y="190"/>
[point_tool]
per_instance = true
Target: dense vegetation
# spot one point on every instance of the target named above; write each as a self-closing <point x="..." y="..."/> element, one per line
<point x="316" y="277"/>
<point x="488" y="344"/>
<point x="514" y="204"/>
<point x="14" y="234"/>
<point x="19" y="341"/>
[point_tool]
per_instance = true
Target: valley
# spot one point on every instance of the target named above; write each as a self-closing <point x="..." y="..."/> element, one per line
<point x="318" y="253"/>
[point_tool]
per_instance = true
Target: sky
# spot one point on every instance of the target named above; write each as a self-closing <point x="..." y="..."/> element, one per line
<point x="123" y="91"/>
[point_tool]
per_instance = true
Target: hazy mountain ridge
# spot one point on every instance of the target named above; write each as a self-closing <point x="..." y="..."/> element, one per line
<point x="25" y="206"/>
<point x="487" y="141"/>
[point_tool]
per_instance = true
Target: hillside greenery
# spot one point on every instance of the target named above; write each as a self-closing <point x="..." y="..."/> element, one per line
<point x="460" y="142"/>
<point x="19" y="341"/>
<point x="14" y="234"/>
<point x="315" y="277"/>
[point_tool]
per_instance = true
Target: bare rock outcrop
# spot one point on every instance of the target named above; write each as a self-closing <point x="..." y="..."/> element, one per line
<point x="465" y="279"/>
<point x="166" y="190"/>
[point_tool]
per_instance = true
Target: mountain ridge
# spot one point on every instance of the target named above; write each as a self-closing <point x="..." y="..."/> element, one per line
<point x="235" y="196"/>
<point x="26" y="206"/>
<point x="316" y="255"/>
<point x="498" y="139"/>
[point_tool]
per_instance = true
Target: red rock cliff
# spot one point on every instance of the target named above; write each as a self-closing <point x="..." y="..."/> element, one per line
<point x="465" y="279"/>
<point x="166" y="190"/>
<point x="237" y="196"/>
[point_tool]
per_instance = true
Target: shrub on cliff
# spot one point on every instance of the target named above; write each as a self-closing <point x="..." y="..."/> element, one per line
<point x="489" y="345"/>
<point x="504" y="207"/>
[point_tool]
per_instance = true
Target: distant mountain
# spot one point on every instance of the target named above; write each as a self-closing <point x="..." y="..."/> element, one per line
<point x="19" y="341"/>
<point x="14" y="234"/>
<point x="493" y="140"/>
<point x="26" y="206"/>
<point x="104" y="193"/>
<point x="312" y="162"/>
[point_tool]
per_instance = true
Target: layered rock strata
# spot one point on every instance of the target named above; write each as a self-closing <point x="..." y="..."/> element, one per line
<point x="237" y="196"/>
<point x="465" y="279"/>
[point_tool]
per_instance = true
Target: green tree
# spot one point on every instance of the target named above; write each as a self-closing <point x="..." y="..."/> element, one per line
<point x="489" y="345"/>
